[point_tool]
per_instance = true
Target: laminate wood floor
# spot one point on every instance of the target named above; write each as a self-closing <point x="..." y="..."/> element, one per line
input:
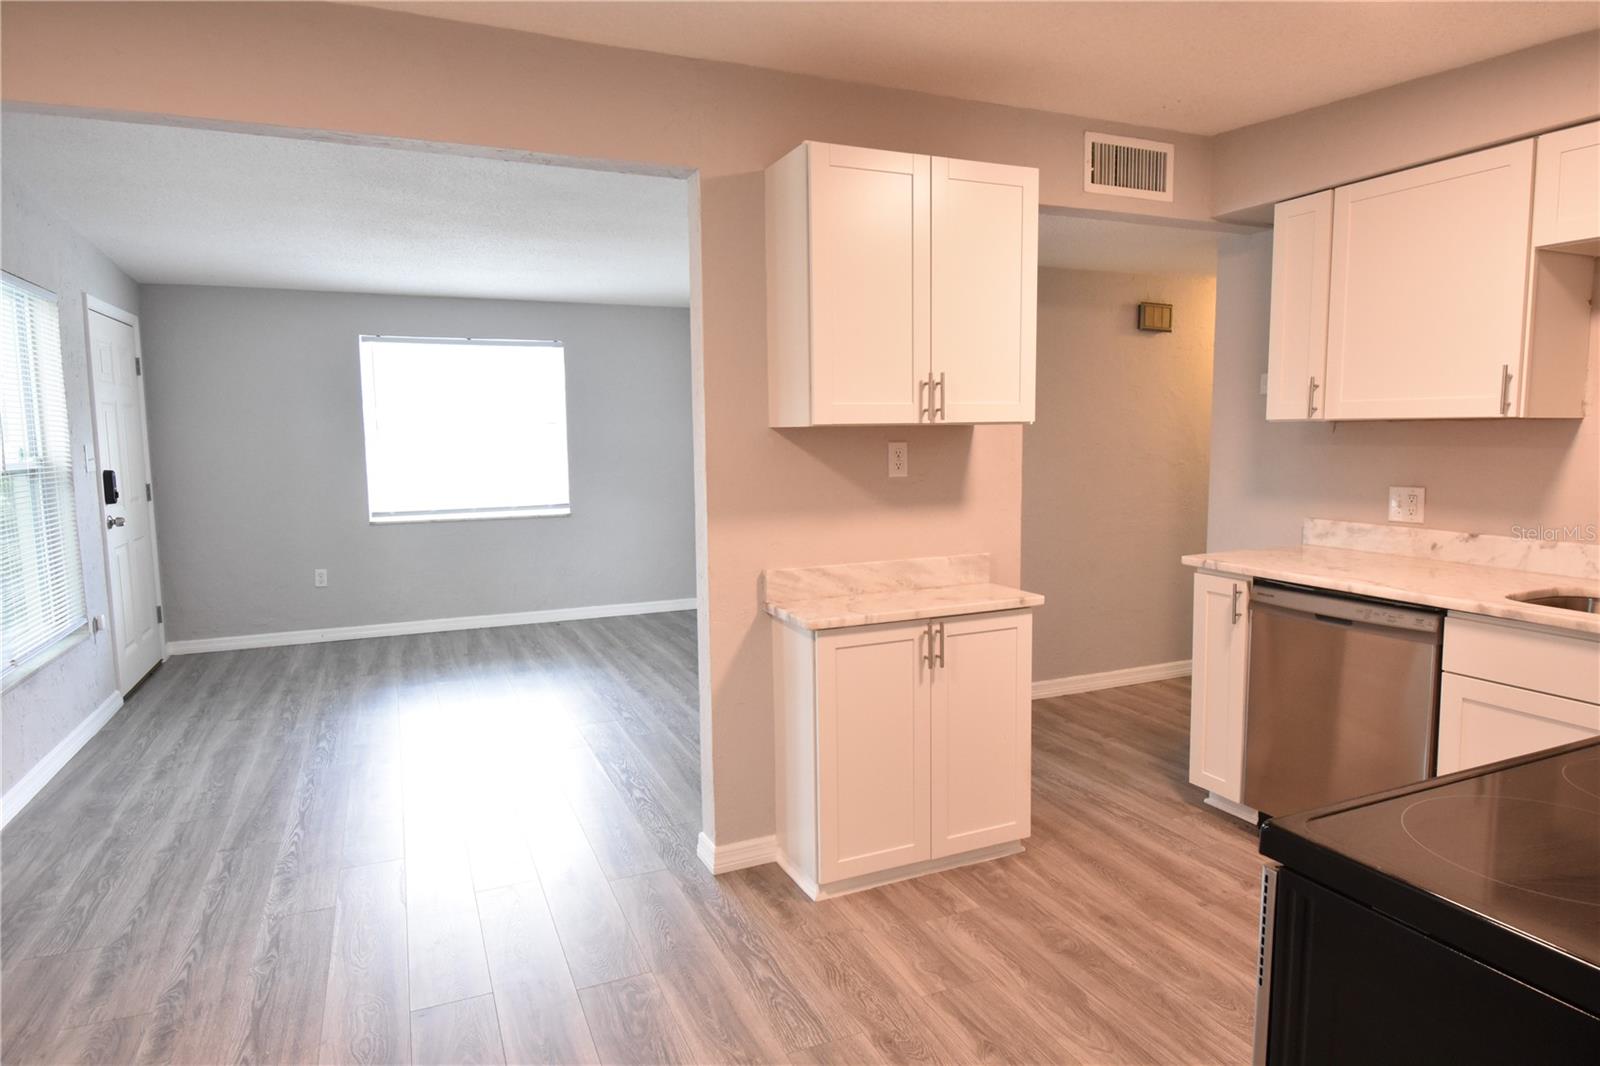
<point x="480" y="847"/>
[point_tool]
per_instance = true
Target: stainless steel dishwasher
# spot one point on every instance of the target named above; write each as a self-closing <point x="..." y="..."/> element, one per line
<point x="1343" y="697"/>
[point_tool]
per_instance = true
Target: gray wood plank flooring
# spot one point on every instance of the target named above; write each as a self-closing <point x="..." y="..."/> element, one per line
<point x="480" y="847"/>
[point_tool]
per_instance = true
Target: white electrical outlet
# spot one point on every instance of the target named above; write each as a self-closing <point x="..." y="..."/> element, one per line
<point x="319" y="578"/>
<point x="899" y="459"/>
<point x="1406" y="503"/>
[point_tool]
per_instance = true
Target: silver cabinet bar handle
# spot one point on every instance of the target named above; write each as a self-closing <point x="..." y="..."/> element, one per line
<point x="924" y="410"/>
<point x="1505" y="388"/>
<point x="1237" y="591"/>
<point x="927" y="655"/>
<point x="940" y="413"/>
<point x="1311" y="398"/>
<point x="941" y="645"/>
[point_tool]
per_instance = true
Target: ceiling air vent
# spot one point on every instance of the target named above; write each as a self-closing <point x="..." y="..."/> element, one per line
<point x="1127" y="166"/>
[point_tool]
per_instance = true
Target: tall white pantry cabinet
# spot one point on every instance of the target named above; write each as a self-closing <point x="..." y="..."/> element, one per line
<point x="901" y="288"/>
<point x="902" y="747"/>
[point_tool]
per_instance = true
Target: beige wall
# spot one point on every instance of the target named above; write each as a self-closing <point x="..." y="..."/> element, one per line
<point x="1114" y="471"/>
<point x="770" y="498"/>
<point x="1483" y="476"/>
<point x="1500" y="99"/>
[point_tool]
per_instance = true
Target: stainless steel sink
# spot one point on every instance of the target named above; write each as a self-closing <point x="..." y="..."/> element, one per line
<point x="1572" y="601"/>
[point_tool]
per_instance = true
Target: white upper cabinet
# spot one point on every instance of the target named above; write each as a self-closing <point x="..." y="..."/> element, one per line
<point x="1427" y="289"/>
<point x="900" y="288"/>
<point x="1459" y="289"/>
<point x="847" y="286"/>
<point x="1302" y="240"/>
<point x="985" y="290"/>
<point x="1566" y="199"/>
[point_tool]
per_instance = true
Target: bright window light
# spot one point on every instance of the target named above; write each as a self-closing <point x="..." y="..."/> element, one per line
<point x="460" y="428"/>
<point x="41" y="583"/>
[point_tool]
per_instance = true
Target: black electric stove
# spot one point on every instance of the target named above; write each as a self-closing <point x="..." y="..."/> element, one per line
<point x="1457" y="919"/>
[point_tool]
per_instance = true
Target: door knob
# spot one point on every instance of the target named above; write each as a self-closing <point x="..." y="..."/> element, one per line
<point x="113" y="523"/>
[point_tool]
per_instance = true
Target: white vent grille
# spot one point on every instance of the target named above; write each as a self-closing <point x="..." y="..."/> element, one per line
<point x="1127" y="166"/>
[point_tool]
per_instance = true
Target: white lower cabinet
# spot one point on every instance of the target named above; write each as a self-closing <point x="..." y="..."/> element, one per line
<point x="982" y="732"/>
<point x="874" y="691"/>
<point x="900" y="745"/>
<point x="1510" y="689"/>
<point x="1217" y="693"/>
<point x="1483" y="721"/>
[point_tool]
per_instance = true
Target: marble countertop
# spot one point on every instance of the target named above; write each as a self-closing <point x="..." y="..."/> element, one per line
<point x="895" y="590"/>
<point x="1454" y="586"/>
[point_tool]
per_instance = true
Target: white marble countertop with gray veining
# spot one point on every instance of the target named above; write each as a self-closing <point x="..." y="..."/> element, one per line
<point x="1432" y="576"/>
<point x="894" y="590"/>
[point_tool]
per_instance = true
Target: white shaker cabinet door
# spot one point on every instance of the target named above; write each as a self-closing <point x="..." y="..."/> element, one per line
<point x="1217" y="694"/>
<point x="985" y="290"/>
<point x="869" y="285"/>
<point x="1566" y="191"/>
<point x="982" y="731"/>
<point x="1428" y="288"/>
<point x="872" y="748"/>
<point x="1482" y="722"/>
<point x="1297" y="344"/>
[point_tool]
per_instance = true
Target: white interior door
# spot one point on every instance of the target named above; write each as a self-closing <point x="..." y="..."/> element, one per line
<point x="985" y="279"/>
<point x="121" y="448"/>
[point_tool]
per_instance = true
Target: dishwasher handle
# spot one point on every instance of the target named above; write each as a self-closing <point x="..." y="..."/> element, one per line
<point x="1348" y="610"/>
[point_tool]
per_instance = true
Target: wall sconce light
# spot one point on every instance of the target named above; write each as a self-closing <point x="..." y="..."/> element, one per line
<point x="1156" y="318"/>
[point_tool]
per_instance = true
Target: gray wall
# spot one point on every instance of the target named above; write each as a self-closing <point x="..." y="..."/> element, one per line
<point x="43" y="708"/>
<point x="1482" y="476"/>
<point x="1114" y="471"/>
<point x="255" y="428"/>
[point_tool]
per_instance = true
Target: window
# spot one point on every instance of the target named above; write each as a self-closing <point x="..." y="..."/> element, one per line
<point x="41" y="579"/>
<point x="461" y="428"/>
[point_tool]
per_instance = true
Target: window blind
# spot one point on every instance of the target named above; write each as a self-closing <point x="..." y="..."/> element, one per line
<point x="41" y="577"/>
<point x="459" y="429"/>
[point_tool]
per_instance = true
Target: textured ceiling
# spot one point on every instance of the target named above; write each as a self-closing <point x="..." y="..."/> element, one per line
<point x="202" y="207"/>
<point x="1198" y="67"/>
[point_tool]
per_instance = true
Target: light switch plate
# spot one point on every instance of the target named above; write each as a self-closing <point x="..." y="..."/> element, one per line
<point x="1406" y="503"/>
<point x="899" y="459"/>
<point x="319" y="578"/>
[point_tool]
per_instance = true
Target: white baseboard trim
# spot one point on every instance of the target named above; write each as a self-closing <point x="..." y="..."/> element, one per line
<point x="39" y="775"/>
<point x="423" y="625"/>
<point x="1228" y="806"/>
<point x="1133" y="675"/>
<point x="723" y="858"/>
<point x="902" y="873"/>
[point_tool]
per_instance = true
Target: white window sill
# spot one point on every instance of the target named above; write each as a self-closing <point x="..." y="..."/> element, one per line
<point x="25" y="669"/>
<point x="471" y="516"/>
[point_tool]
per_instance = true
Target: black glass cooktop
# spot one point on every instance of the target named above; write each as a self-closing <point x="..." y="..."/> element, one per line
<point x="1507" y="857"/>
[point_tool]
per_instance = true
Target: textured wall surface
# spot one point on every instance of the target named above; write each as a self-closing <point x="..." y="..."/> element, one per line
<point x="43" y="708"/>
<point x="1114" y="471"/>
<point x="1482" y="476"/>
<point x="256" y="434"/>
<point x="769" y="498"/>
